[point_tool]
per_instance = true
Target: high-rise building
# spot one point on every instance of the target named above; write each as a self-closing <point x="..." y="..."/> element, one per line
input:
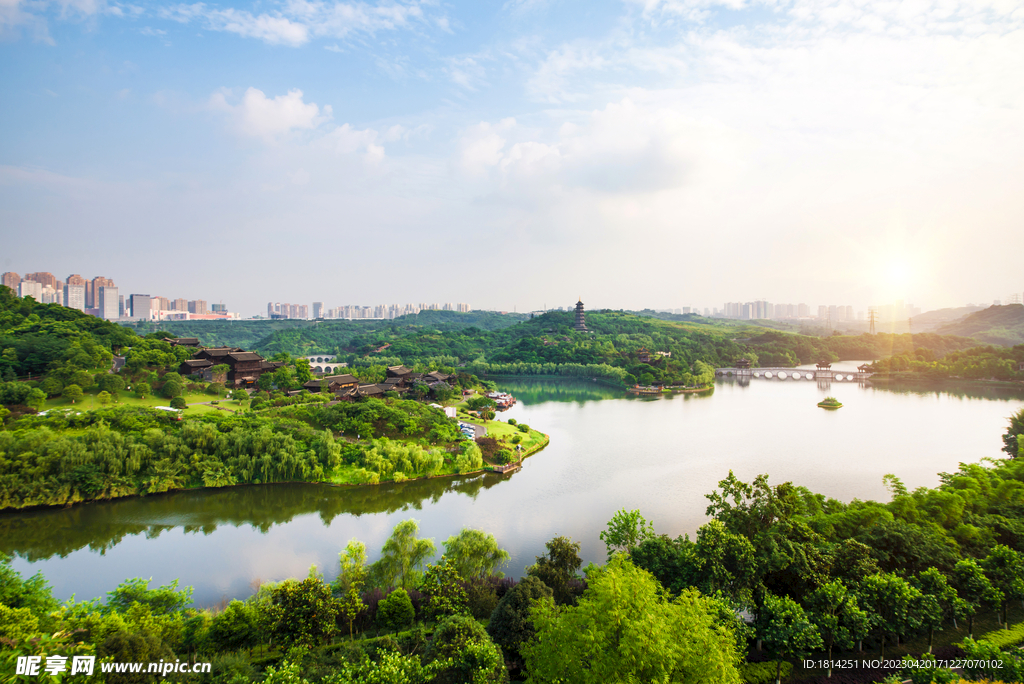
<point x="92" y="291"/>
<point x="160" y="303"/>
<point x="139" y="306"/>
<point x="179" y="304"/>
<point x="318" y="309"/>
<point x="11" y="280"/>
<point x="44" y="279"/>
<point x="30" y="288"/>
<point x="120" y="306"/>
<point x="107" y="301"/>
<point x="197" y="306"/>
<point x="219" y="308"/>
<point x="74" y="296"/>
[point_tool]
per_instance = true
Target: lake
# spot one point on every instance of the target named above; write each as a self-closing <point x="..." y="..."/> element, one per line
<point x="608" y="451"/>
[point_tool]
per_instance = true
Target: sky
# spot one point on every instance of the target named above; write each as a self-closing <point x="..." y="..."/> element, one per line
<point x="518" y="154"/>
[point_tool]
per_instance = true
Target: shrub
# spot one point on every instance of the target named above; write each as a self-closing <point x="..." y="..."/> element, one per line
<point x="178" y="403"/>
<point x="395" y="611"/>
<point x="763" y="673"/>
<point x="1005" y="637"/>
<point x="523" y="427"/>
<point x="512" y="421"/>
<point x="503" y="456"/>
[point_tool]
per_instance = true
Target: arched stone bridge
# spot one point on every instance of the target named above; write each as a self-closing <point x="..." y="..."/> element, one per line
<point x="794" y="374"/>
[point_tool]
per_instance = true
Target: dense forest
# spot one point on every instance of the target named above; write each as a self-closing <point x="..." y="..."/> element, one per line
<point x="778" y="576"/>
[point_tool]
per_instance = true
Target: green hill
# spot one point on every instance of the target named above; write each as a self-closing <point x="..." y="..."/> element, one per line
<point x="1001" y="325"/>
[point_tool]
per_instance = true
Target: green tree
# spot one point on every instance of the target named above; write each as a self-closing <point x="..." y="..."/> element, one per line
<point x="395" y="611"/>
<point x="303" y="373"/>
<point x="109" y="382"/>
<point x="163" y="600"/>
<point x="284" y="378"/>
<point x="52" y="386"/>
<point x="890" y="602"/>
<point x="558" y="568"/>
<point x="173" y="386"/>
<point x="349" y="583"/>
<point x="83" y="379"/>
<point x="474" y="553"/>
<point x="933" y="583"/>
<point x="72" y="392"/>
<point x="975" y="589"/>
<point x="838" y="619"/>
<point x="178" y="403"/>
<point x="240" y="395"/>
<point x="1004" y="568"/>
<point x="103" y="398"/>
<point x="142" y="389"/>
<point x="1015" y="428"/>
<point x="445" y="591"/>
<point x="403" y="554"/>
<point x="304" y="613"/>
<point x="626" y="628"/>
<point x="785" y="630"/>
<point x="626" y="530"/>
<point x="465" y="653"/>
<point x="511" y="626"/>
<point x="234" y="628"/>
<point x="36" y="399"/>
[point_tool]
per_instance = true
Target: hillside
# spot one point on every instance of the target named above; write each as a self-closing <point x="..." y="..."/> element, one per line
<point x="301" y="338"/>
<point x="930" y="320"/>
<point x="1001" y="325"/>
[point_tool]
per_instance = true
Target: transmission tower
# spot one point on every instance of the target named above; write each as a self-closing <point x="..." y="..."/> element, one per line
<point x="872" y="318"/>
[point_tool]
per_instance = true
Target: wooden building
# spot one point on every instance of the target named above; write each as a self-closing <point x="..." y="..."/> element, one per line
<point x="245" y="367"/>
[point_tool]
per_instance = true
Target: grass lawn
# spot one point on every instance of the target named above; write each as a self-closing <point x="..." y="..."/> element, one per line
<point x="89" y="403"/>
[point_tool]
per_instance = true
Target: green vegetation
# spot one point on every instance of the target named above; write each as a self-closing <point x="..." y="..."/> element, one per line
<point x="1002" y="325"/>
<point x="830" y="403"/>
<point x="779" y="574"/>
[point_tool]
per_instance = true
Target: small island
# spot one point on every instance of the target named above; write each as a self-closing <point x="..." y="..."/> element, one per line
<point x="830" y="403"/>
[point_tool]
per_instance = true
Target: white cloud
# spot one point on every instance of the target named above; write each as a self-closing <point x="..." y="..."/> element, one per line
<point x="298" y="21"/>
<point x="270" y="28"/>
<point x="260" y="116"/>
<point x="480" y="147"/>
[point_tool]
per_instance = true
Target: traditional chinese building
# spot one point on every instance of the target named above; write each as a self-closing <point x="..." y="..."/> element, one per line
<point x="581" y="324"/>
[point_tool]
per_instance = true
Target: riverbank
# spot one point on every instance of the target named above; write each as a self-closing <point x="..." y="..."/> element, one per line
<point x="911" y="378"/>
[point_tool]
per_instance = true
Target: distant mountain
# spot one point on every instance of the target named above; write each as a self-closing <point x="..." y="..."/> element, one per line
<point x="930" y="320"/>
<point x="1002" y="325"/>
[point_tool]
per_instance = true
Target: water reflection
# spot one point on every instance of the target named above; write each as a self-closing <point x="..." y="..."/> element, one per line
<point x="43" y="533"/>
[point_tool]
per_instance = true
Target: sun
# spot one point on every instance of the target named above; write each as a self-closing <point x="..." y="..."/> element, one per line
<point x="898" y="275"/>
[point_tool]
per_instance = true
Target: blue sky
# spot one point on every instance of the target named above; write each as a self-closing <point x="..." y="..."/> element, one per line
<point x="657" y="153"/>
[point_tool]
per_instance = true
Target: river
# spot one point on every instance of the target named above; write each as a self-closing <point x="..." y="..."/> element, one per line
<point x="608" y="451"/>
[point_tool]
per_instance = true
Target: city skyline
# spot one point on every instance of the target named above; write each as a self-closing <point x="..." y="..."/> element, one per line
<point x="670" y="153"/>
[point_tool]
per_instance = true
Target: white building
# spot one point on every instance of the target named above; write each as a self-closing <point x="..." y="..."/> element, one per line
<point x="74" y="297"/>
<point x="107" y="303"/>
<point x="30" y="288"/>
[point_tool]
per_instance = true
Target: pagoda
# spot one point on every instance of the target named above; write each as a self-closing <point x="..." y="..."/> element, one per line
<point x="581" y="325"/>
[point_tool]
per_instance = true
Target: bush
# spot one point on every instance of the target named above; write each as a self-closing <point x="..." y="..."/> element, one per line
<point x="517" y="439"/>
<point x="512" y="421"/>
<point x="178" y="403"/>
<point x="985" y="652"/>
<point x="503" y="456"/>
<point x="1005" y="637"/>
<point x="482" y="597"/>
<point x="763" y="673"/>
<point x="523" y="427"/>
<point x="395" y="611"/>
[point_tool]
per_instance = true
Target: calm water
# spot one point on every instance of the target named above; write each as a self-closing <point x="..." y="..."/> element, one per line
<point x="607" y="451"/>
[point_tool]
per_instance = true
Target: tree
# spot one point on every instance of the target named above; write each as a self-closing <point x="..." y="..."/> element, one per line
<point x="173" y="386"/>
<point x="933" y="583"/>
<point x="443" y="587"/>
<point x="558" y="568"/>
<point x="838" y="619"/>
<point x="284" y="378"/>
<point x="142" y="389"/>
<point x="83" y="379"/>
<point x="239" y="395"/>
<point x="304" y="613"/>
<point x="467" y="653"/>
<point x="111" y="383"/>
<point x="349" y="583"/>
<point x="234" y="628"/>
<point x="36" y="399"/>
<point x="163" y="600"/>
<point x="474" y="553"/>
<point x="402" y="555"/>
<point x="890" y="601"/>
<point x="303" y="373"/>
<point x="1015" y="428"/>
<point x="626" y="628"/>
<point x="52" y="386"/>
<point x="395" y="611"/>
<point x="1004" y="568"/>
<point x="626" y="530"/>
<point x="72" y="392"/>
<point x="974" y="588"/>
<point x="510" y="625"/>
<point x="103" y="398"/>
<point x="785" y="630"/>
<point x="266" y="382"/>
<point x="178" y="403"/>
